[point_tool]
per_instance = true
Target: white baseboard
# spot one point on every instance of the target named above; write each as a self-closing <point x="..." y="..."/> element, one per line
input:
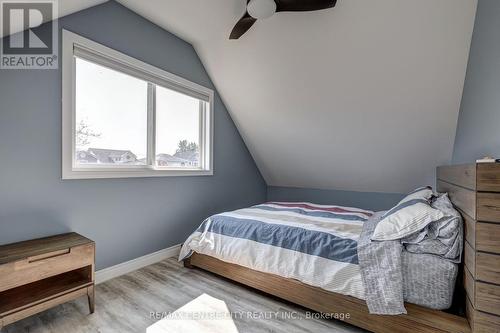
<point x="135" y="264"/>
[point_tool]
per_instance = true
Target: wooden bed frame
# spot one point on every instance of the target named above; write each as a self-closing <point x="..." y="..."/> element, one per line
<point x="463" y="183"/>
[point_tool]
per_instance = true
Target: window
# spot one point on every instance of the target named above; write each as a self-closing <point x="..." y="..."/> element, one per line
<point x="111" y="113"/>
<point x="124" y="118"/>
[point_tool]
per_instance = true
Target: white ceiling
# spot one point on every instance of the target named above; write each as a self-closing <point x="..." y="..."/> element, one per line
<point x="364" y="96"/>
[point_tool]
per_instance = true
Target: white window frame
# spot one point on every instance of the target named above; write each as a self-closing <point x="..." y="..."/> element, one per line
<point x="105" y="56"/>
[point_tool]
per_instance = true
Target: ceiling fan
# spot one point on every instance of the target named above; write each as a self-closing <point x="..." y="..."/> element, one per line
<point x="261" y="9"/>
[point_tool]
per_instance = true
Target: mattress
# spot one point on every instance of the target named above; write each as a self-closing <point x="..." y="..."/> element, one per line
<point x="428" y="280"/>
<point x="315" y="244"/>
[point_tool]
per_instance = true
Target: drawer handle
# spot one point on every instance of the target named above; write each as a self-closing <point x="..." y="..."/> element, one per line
<point x="48" y="255"/>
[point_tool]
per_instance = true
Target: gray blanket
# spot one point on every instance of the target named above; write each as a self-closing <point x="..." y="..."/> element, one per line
<point x="381" y="271"/>
<point x="443" y="238"/>
<point x="420" y="269"/>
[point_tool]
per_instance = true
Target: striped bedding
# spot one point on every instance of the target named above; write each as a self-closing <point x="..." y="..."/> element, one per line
<point x="315" y="244"/>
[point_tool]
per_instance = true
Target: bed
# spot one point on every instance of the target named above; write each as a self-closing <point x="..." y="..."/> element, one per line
<point x="316" y="245"/>
<point x="319" y="279"/>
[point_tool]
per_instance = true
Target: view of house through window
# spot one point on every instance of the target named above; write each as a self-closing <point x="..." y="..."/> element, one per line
<point x="111" y="121"/>
<point x="111" y="116"/>
<point x="177" y="133"/>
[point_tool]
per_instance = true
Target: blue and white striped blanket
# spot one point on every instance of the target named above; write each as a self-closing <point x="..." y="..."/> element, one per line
<point x="315" y="244"/>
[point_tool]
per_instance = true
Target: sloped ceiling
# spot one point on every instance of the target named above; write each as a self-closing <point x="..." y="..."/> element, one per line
<point x="362" y="97"/>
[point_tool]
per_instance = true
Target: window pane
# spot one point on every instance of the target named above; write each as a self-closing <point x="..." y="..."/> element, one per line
<point x="111" y="116"/>
<point x="177" y="130"/>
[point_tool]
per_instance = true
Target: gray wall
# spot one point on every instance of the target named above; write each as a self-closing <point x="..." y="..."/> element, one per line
<point x="478" y="131"/>
<point x="367" y="200"/>
<point x="126" y="217"/>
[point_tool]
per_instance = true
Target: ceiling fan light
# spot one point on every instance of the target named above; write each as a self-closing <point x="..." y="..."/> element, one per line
<point x="261" y="9"/>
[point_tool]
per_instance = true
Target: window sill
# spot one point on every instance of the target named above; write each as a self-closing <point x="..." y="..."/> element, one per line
<point x="104" y="174"/>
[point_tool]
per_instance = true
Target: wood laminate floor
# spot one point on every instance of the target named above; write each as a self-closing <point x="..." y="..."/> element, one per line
<point x="125" y="304"/>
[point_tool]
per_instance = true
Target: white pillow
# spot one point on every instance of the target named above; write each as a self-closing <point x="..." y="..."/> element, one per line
<point x="410" y="215"/>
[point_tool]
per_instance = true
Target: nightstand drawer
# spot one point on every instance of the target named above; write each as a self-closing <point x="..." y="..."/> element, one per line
<point x="45" y="265"/>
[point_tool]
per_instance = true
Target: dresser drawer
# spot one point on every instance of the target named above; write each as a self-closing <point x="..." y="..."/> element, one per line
<point x="487" y="297"/>
<point x="488" y="208"/>
<point x="488" y="237"/>
<point x="486" y="323"/>
<point x="45" y="265"/>
<point x="488" y="267"/>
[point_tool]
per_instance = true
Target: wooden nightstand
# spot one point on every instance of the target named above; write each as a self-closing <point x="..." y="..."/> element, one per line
<point x="39" y="274"/>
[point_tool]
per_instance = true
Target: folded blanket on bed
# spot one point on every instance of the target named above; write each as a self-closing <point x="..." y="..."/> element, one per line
<point x="383" y="268"/>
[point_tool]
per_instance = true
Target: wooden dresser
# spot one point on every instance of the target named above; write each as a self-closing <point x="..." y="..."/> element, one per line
<point x="38" y="274"/>
<point x="475" y="190"/>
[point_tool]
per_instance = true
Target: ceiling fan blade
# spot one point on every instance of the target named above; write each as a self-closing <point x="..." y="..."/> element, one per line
<point x="303" y="5"/>
<point x="242" y="26"/>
